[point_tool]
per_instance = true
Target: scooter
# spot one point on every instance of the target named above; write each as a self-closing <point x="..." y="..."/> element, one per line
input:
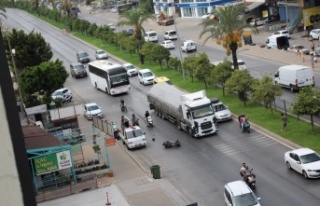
<point x="149" y="121"/>
<point x="250" y="179"/>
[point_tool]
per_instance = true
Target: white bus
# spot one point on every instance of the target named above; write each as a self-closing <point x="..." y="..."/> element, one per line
<point x="109" y="77"/>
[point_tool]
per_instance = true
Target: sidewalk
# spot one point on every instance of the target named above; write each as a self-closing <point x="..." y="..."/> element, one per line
<point x="130" y="185"/>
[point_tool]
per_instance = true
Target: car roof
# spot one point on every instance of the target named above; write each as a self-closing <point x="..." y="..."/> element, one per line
<point x="238" y="188"/>
<point x="91" y="104"/>
<point x="145" y="70"/>
<point x="127" y="64"/>
<point x="189" y="40"/>
<point x="100" y="50"/>
<point x="132" y="128"/>
<point x="303" y="151"/>
<point x="76" y="63"/>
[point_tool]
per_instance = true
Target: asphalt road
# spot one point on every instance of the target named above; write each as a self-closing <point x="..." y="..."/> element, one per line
<point x="201" y="167"/>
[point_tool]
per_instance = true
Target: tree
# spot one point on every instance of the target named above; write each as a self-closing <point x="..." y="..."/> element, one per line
<point x="147" y="49"/>
<point x="174" y="63"/>
<point x="240" y="82"/>
<point x="66" y="6"/>
<point x="227" y="27"/>
<point x="307" y="102"/>
<point x="44" y="78"/>
<point x="265" y="91"/>
<point x="160" y="53"/>
<point x="30" y="49"/>
<point x="203" y="68"/>
<point x="190" y="64"/>
<point x="221" y="73"/>
<point x="135" y="18"/>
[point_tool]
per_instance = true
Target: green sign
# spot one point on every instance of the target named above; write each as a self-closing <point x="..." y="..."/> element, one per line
<point x="46" y="164"/>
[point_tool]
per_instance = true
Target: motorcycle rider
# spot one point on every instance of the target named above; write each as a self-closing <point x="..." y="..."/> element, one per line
<point x="134" y="120"/>
<point x="245" y="172"/>
<point x="122" y="105"/>
<point x="146" y="115"/>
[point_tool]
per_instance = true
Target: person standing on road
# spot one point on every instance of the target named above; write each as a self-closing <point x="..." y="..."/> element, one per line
<point x="284" y="120"/>
<point x="302" y="55"/>
<point x="312" y="59"/>
<point x="312" y="45"/>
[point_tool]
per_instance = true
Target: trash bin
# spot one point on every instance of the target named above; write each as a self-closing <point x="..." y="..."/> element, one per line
<point x="155" y="171"/>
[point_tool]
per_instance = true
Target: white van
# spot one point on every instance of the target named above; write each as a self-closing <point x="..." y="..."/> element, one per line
<point x="294" y="77"/>
<point x="282" y="33"/>
<point x="221" y="111"/>
<point x="133" y="137"/>
<point x="170" y="35"/>
<point x="151" y="36"/>
<point x="278" y="42"/>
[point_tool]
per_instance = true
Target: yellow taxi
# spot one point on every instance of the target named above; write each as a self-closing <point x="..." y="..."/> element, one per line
<point x="162" y="79"/>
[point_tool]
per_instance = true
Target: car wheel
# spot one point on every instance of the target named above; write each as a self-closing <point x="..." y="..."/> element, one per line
<point x="288" y="165"/>
<point x="305" y="174"/>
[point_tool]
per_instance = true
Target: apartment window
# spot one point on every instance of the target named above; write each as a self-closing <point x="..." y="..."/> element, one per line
<point x="201" y="0"/>
<point x="183" y="1"/>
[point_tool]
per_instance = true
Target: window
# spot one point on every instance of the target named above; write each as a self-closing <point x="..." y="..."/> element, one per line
<point x="183" y="1"/>
<point x="228" y="196"/>
<point x="202" y="10"/>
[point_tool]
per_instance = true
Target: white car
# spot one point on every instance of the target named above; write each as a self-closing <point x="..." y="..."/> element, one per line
<point x="241" y="64"/>
<point x="221" y="111"/>
<point x="131" y="70"/>
<point x="168" y="44"/>
<point x="63" y="94"/>
<point x="111" y="26"/>
<point x="146" y="76"/>
<point x="114" y="10"/>
<point x="238" y="193"/>
<point x="188" y="46"/>
<point x="91" y="110"/>
<point x="100" y="54"/>
<point x="305" y="161"/>
<point x="315" y="34"/>
<point x="282" y="33"/>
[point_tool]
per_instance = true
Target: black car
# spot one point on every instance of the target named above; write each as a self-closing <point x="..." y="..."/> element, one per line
<point x="130" y="32"/>
<point x="83" y="57"/>
<point x="78" y="70"/>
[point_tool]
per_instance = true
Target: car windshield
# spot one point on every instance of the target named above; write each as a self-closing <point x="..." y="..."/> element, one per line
<point x="172" y="33"/>
<point x="101" y="52"/>
<point x="219" y="107"/>
<point x="148" y="74"/>
<point x="202" y="112"/>
<point x="93" y="107"/>
<point x="134" y="133"/>
<point x="128" y="67"/>
<point x="152" y="34"/>
<point x="312" y="157"/>
<point x="79" y="67"/>
<point x="83" y="54"/>
<point x="117" y="80"/>
<point x="245" y="199"/>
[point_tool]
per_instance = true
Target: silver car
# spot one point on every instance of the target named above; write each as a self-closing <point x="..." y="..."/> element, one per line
<point x="100" y="54"/>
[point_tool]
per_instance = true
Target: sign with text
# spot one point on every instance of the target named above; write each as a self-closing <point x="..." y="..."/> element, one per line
<point x="52" y="162"/>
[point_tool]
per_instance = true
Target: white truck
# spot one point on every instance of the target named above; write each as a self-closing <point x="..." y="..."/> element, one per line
<point x="133" y="137"/>
<point x="294" y="77"/>
<point x="192" y="113"/>
<point x="278" y="42"/>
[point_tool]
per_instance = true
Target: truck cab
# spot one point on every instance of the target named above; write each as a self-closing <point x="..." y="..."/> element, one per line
<point x="133" y="137"/>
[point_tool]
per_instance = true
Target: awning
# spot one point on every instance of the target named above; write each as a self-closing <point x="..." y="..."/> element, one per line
<point x="254" y="5"/>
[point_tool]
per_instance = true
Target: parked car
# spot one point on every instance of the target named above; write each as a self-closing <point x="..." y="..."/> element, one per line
<point x="188" y="46"/>
<point x="315" y="34"/>
<point x="146" y="76"/>
<point x="111" y="26"/>
<point x="238" y="193"/>
<point x="282" y="33"/>
<point x="131" y="70"/>
<point x="78" y="70"/>
<point x="91" y="110"/>
<point x="63" y="94"/>
<point x="241" y="64"/>
<point x="168" y="44"/>
<point x="305" y="161"/>
<point x="100" y="54"/>
<point x="83" y="57"/>
<point x="170" y="35"/>
<point x="130" y="31"/>
<point x="299" y="48"/>
<point x="114" y="10"/>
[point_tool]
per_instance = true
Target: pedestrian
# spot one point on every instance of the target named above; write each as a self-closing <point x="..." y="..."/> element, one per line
<point x="284" y="120"/>
<point x="302" y="55"/>
<point x="312" y="45"/>
<point x="312" y="60"/>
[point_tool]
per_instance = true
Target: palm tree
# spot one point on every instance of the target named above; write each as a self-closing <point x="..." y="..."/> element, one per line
<point x="66" y="6"/>
<point x="227" y="26"/>
<point x="135" y="18"/>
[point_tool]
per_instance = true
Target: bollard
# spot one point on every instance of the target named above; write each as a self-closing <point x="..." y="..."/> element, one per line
<point x="108" y="203"/>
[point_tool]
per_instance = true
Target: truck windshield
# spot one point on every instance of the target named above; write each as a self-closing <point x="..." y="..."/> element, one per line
<point x="202" y="112"/>
<point x="134" y="133"/>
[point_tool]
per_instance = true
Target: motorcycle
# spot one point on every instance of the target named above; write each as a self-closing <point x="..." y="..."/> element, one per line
<point x="124" y="108"/>
<point x="250" y="179"/>
<point x="246" y="127"/>
<point x="149" y="121"/>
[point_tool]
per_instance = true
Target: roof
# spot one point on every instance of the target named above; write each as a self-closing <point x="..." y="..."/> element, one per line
<point x="238" y="187"/>
<point x="294" y="67"/>
<point x="35" y="138"/>
<point x="105" y="64"/>
<point x="302" y="151"/>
